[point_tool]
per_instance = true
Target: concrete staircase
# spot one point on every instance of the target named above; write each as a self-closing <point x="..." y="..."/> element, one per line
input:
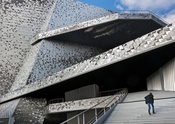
<point x="133" y="110"/>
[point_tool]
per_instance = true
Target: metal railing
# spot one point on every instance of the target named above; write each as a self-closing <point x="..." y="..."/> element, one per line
<point x="111" y="102"/>
<point x="109" y="92"/>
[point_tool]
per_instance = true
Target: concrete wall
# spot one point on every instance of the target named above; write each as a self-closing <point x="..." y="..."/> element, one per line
<point x="164" y="78"/>
<point x="90" y="91"/>
<point x="20" y="20"/>
<point x="154" y="82"/>
<point x="169" y="75"/>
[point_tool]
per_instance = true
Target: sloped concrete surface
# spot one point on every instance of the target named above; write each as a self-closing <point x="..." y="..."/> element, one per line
<point x="138" y="96"/>
<point x="133" y="110"/>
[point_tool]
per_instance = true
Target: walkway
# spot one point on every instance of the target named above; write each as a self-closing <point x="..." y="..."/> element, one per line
<point x="133" y="110"/>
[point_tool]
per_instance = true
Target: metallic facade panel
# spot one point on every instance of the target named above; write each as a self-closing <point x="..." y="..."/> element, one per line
<point x="148" y="42"/>
<point x="69" y="12"/>
<point x="20" y="21"/>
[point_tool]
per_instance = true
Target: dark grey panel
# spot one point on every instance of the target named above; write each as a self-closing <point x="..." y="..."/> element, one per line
<point x="111" y="34"/>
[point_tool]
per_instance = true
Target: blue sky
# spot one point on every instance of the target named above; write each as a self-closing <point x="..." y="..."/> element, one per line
<point x="163" y="8"/>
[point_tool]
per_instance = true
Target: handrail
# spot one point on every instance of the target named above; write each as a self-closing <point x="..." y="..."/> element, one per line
<point x="109" y="92"/>
<point x="106" y="108"/>
<point x="82" y="113"/>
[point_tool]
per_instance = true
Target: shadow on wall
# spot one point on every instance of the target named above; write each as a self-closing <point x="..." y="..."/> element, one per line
<point x="55" y="118"/>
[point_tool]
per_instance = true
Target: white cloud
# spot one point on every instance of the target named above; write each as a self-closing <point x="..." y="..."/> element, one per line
<point x="148" y="4"/>
<point x="170" y="17"/>
<point x="119" y="7"/>
<point x="156" y="6"/>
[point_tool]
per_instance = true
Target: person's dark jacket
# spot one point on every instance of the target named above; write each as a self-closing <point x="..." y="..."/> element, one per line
<point x="149" y="98"/>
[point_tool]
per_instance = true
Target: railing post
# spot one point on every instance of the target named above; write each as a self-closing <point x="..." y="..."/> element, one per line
<point x="96" y="115"/>
<point x="83" y="118"/>
<point x="78" y="119"/>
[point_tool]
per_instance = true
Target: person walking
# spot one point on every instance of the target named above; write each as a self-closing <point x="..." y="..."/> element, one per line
<point x="149" y="100"/>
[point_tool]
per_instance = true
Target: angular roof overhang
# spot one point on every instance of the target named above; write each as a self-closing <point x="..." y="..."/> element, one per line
<point x="105" y="32"/>
<point x="162" y="40"/>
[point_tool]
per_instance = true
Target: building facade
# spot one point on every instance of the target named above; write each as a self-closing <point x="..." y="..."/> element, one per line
<point x="52" y="47"/>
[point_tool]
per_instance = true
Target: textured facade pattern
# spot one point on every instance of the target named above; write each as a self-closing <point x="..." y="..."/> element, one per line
<point x="48" y="57"/>
<point x="20" y="21"/>
<point x="54" y="56"/>
<point x="135" y="47"/>
<point x="56" y="10"/>
<point x="30" y="110"/>
<point x="25" y="68"/>
<point x="23" y="75"/>
<point x="68" y="12"/>
<point x="80" y="104"/>
<point x="7" y="109"/>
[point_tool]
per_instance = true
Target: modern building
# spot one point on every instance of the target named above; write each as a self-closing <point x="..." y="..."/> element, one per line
<point x="58" y="54"/>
